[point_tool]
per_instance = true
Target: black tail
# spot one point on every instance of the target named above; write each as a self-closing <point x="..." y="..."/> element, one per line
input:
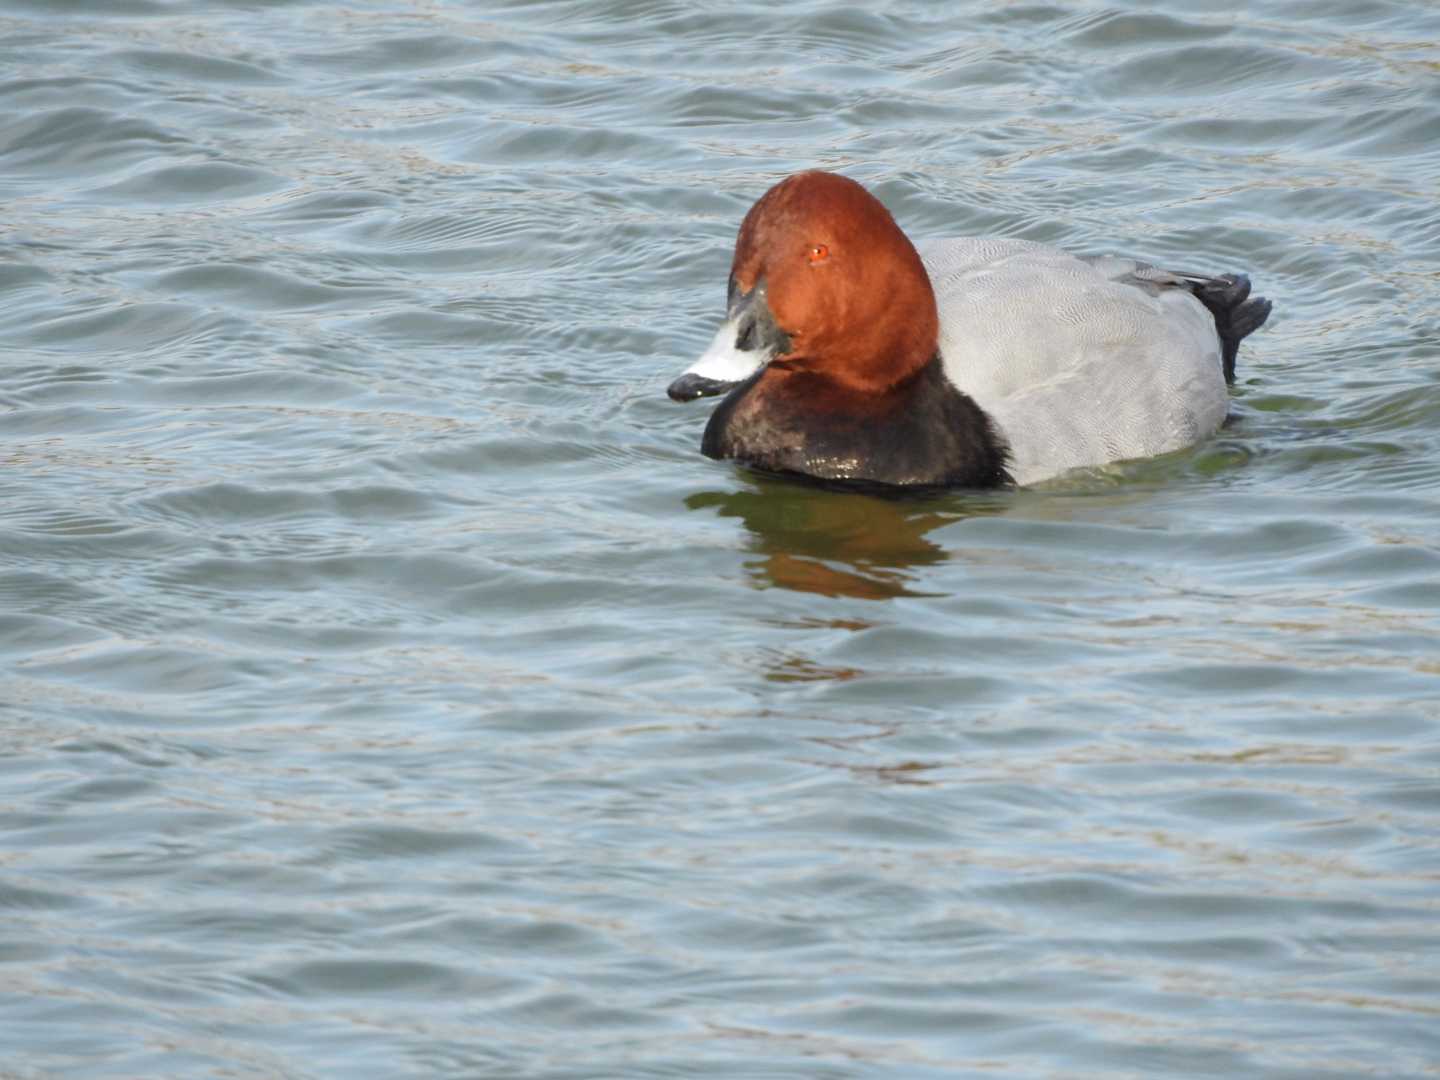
<point x="1236" y="314"/>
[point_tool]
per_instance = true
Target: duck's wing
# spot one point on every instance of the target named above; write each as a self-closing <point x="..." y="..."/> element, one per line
<point x="1082" y="361"/>
<point x="1227" y="297"/>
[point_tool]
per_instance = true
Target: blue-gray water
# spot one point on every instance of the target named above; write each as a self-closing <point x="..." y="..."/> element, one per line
<point x="388" y="687"/>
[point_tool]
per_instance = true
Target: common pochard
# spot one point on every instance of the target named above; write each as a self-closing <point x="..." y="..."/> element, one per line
<point x="849" y="355"/>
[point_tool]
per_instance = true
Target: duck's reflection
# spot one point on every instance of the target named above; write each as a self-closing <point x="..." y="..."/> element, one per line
<point x="841" y="543"/>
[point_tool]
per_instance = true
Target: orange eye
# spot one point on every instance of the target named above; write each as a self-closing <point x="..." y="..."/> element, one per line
<point x="818" y="253"/>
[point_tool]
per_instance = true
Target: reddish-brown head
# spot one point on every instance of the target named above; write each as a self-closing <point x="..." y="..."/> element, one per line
<point x="843" y="282"/>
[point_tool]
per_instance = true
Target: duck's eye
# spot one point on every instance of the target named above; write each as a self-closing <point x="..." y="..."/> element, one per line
<point x="818" y="253"/>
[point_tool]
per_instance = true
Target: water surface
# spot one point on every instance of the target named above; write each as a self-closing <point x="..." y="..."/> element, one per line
<point x="388" y="687"/>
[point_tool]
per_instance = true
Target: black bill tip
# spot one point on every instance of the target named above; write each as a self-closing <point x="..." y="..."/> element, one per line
<point x="690" y="386"/>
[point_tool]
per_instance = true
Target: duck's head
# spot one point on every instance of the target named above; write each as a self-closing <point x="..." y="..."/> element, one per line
<point x="823" y="281"/>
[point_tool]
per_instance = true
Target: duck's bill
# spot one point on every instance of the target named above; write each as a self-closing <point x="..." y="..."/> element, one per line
<point x="690" y="386"/>
<point x="748" y="340"/>
<point x="720" y="367"/>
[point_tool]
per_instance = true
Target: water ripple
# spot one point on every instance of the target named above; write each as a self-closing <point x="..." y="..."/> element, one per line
<point x="391" y="687"/>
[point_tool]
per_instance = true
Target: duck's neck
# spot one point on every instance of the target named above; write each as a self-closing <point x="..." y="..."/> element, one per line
<point x="922" y="432"/>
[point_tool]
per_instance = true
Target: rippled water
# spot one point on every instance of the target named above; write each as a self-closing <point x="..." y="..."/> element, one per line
<point x="390" y="688"/>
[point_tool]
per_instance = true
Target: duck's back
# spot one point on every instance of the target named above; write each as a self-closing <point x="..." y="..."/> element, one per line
<point x="1079" y="361"/>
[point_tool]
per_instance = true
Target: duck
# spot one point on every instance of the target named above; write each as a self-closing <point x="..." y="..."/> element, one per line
<point x="850" y="355"/>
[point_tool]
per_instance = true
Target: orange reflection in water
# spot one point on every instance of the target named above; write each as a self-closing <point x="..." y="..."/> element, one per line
<point x="840" y="543"/>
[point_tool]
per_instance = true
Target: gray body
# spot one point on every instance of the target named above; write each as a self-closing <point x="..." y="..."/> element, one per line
<point x="1078" y="361"/>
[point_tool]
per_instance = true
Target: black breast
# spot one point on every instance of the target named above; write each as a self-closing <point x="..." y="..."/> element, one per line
<point x="921" y="433"/>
